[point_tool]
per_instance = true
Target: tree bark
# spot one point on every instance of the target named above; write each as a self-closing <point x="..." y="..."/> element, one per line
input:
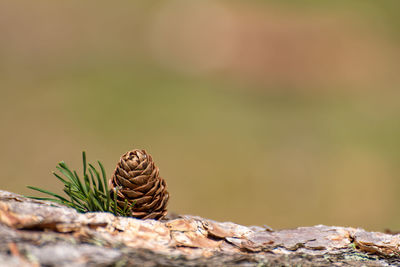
<point x="36" y="233"/>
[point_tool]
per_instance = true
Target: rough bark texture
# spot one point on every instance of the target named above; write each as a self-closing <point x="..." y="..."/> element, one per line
<point x="34" y="233"/>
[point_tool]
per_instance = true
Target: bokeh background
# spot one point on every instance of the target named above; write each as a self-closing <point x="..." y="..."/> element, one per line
<point x="284" y="113"/>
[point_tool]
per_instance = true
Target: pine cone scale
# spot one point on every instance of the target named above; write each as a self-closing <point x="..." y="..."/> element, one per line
<point x="146" y="187"/>
<point x="123" y="173"/>
<point x="162" y="203"/>
<point x="153" y="189"/>
<point x="148" y="206"/>
<point x="124" y="165"/>
<point x="149" y="169"/>
<point x="142" y="200"/>
<point x="131" y="193"/>
<point x="142" y="165"/>
<point x="130" y="165"/>
<point x="153" y="215"/>
<point x="135" y="173"/>
<point x="125" y="182"/>
<point x="139" y="180"/>
<point x="139" y="214"/>
<point x="155" y="172"/>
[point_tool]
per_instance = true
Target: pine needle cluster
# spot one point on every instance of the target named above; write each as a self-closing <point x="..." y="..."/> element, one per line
<point x="88" y="195"/>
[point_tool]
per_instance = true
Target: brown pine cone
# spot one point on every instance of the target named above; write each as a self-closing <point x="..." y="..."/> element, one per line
<point x="138" y="181"/>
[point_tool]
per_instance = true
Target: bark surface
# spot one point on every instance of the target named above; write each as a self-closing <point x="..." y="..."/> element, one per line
<point x="35" y="233"/>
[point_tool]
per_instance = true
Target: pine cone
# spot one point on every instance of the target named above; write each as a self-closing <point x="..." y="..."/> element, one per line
<point x="139" y="182"/>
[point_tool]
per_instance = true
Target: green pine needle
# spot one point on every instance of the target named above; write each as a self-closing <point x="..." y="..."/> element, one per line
<point x="88" y="195"/>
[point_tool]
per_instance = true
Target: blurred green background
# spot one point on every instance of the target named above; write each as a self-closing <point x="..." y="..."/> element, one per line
<point x="283" y="113"/>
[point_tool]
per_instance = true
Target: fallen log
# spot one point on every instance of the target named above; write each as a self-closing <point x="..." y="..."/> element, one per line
<point x="35" y="233"/>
